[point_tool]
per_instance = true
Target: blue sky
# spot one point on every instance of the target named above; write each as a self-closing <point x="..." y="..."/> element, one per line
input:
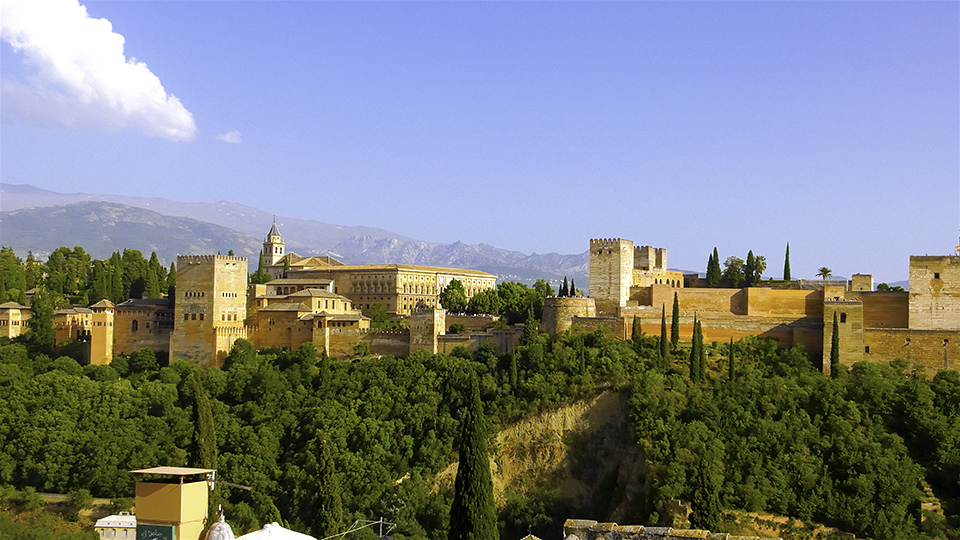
<point x="533" y="126"/>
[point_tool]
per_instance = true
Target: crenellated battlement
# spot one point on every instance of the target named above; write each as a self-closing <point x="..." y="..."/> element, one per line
<point x="199" y="259"/>
<point x="606" y="243"/>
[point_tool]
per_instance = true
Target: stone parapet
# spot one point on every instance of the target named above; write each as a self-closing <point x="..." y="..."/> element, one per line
<point x="584" y="529"/>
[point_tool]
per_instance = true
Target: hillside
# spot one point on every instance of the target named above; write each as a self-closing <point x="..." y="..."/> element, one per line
<point x="351" y="244"/>
<point x="102" y="228"/>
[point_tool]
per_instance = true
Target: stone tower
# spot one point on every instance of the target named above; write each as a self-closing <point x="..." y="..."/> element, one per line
<point x="611" y="272"/>
<point x="101" y="332"/>
<point x="273" y="246"/>
<point x="210" y="307"/>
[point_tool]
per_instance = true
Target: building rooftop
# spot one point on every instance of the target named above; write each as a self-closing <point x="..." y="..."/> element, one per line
<point x="286" y="306"/>
<point x="123" y="520"/>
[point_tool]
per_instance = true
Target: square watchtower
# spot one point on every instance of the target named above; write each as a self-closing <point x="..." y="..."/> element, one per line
<point x="611" y="272"/>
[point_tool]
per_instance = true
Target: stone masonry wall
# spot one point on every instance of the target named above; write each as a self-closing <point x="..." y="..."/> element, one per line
<point x="935" y="293"/>
<point x="611" y="272"/>
<point x="935" y="349"/>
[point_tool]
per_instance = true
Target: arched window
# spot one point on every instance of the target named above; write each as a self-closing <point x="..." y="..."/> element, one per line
<point x="134" y="325"/>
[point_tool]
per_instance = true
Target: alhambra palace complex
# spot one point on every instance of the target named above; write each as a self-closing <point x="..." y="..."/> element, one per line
<point x="324" y="301"/>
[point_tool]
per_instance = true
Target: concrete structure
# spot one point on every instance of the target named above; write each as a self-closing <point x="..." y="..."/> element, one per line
<point x="122" y="525"/>
<point x="586" y="529"/>
<point x="174" y="505"/>
<point x="922" y="325"/>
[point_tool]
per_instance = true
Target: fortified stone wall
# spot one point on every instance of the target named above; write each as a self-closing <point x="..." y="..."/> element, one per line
<point x="935" y="293"/>
<point x="287" y="330"/>
<point x="473" y="323"/>
<point x="730" y="301"/>
<point x="850" y="324"/>
<point x="885" y="310"/>
<point x="764" y="302"/>
<point x="935" y="349"/>
<point x="584" y="529"/>
<point x="617" y="326"/>
<point x="135" y="329"/>
<point x="559" y="312"/>
<point x="425" y="325"/>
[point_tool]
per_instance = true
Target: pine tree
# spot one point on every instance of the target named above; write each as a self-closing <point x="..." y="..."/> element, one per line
<point x="786" y="264"/>
<point x="664" y="347"/>
<point x="473" y="515"/>
<point x="675" y="323"/>
<point x="835" y="348"/>
<point x="713" y="269"/>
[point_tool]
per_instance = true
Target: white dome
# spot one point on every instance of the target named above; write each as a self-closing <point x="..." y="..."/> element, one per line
<point x="220" y="531"/>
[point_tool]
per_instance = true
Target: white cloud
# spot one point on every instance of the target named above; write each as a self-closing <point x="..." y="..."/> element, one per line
<point x="232" y="137"/>
<point x="79" y="77"/>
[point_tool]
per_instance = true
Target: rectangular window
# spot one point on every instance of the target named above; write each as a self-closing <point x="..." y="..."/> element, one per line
<point x="843" y="317"/>
<point x="866" y="349"/>
<point x="936" y="275"/>
<point x="201" y="316"/>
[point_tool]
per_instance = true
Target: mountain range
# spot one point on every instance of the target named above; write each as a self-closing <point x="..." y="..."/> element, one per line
<point x="38" y="220"/>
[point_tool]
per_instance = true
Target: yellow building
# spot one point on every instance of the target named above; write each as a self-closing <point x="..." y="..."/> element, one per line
<point x="13" y="319"/>
<point x="172" y="502"/>
<point x="401" y="288"/>
<point x="122" y="525"/>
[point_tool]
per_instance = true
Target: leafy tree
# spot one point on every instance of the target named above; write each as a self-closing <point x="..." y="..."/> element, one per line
<point x="883" y="287"/>
<point x="76" y="501"/>
<point x="714" y="273"/>
<point x="457" y="328"/>
<point x="378" y="315"/>
<point x="824" y="273"/>
<point x="733" y="271"/>
<point x="453" y="297"/>
<point x="835" y="348"/>
<point x="473" y="514"/>
<point x="487" y="301"/>
<point x="530" y="329"/>
<point x="143" y="361"/>
<point x="675" y="323"/>
<point x="786" y="264"/>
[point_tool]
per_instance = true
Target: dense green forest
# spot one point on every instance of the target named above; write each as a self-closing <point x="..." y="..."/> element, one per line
<point x="772" y="433"/>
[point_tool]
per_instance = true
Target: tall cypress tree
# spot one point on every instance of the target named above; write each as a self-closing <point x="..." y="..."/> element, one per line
<point x="702" y="362"/>
<point x="750" y="270"/>
<point x="204" y="454"/>
<point x="730" y="360"/>
<point x="635" y="331"/>
<point x="713" y="269"/>
<point x="835" y="348"/>
<point x="564" y="290"/>
<point x="675" y="323"/>
<point x="41" y="321"/>
<point x="664" y="347"/>
<point x="694" y="353"/>
<point x="473" y="515"/>
<point x="326" y="512"/>
<point x="573" y="288"/>
<point x="786" y="264"/>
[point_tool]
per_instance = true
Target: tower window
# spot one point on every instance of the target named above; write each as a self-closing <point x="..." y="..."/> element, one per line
<point x="843" y="317"/>
<point x="936" y="275"/>
<point x="866" y="349"/>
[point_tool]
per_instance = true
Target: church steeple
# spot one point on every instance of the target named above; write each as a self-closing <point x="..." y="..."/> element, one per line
<point x="273" y="245"/>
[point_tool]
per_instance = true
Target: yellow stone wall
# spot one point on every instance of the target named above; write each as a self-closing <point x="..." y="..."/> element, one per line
<point x="13" y="321"/>
<point x="559" y="312"/>
<point x="148" y="332"/>
<point x="101" y="337"/>
<point x="611" y="272"/>
<point x="934" y="293"/>
<point x="850" y="325"/>
<point x="935" y="349"/>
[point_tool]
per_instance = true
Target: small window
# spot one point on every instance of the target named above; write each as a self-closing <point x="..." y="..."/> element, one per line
<point x="946" y="341"/>
<point x="186" y="316"/>
<point x="134" y="326"/>
<point x="843" y="317"/>
<point x="201" y="316"/>
<point x="193" y="316"/>
<point x="936" y="275"/>
<point x="866" y="349"/>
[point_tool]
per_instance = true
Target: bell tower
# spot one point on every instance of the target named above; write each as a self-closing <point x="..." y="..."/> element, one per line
<point x="273" y="246"/>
